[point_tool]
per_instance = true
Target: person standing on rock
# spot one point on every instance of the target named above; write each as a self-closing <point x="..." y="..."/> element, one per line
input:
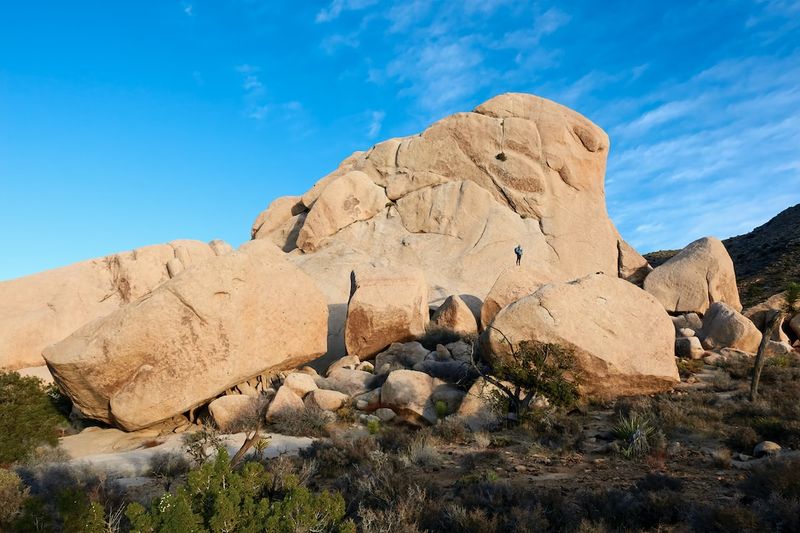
<point x="518" y="251"/>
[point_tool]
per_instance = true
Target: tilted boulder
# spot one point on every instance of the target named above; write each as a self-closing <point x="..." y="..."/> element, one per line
<point x="622" y="338"/>
<point x="696" y="277"/>
<point x="725" y="327"/>
<point x="224" y="322"/>
<point x="276" y="215"/>
<point x="38" y="310"/>
<point x="510" y="286"/>
<point x="388" y="305"/>
<point x="460" y="196"/>
<point x="455" y="315"/>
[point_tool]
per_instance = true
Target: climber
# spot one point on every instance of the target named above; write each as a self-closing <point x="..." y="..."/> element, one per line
<point x="518" y="251"/>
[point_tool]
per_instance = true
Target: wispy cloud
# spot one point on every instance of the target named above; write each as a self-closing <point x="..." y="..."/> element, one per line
<point x="337" y="7"/>
<point x="188" y="9"/>
<point x="375" y="123"/>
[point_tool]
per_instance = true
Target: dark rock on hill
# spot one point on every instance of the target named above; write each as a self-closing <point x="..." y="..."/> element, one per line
<point x="766" y="259"/>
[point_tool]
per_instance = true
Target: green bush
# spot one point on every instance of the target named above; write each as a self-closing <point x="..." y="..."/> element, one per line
<point x="12" y="495"/>
<point x="28" y="417"/>
<point x="217" y="498"/>
<point x="534" y="370"/>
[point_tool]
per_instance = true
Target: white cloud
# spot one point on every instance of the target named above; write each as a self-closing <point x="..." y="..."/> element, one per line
<point x="337" y="7"/>
<point x="375" y="123"/>
<point x="188" y="9"/>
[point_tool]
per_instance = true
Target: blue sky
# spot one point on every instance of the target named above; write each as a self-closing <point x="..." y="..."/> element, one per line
<point x="131" y="123"/>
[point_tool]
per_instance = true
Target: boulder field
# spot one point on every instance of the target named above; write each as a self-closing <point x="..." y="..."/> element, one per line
<point x="409" y="239"/>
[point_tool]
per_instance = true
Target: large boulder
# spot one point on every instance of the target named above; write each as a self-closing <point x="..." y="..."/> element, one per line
<point x="455" y="315"/>
<point x="622" y="338"/>
<point x="215" y="326"/>
<point x="280" y="211"/>
<point x="413" y="396"/>
<point x="460" y="197"/>
<point x="725" y="327"/>
<point x="509" y="287"/>
<point x="696" y="277"/>
<point x="388" y="305"/>
<point x="38" y="310"/>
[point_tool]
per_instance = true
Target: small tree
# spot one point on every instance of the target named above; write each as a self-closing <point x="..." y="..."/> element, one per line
<point x="531" y="370"/>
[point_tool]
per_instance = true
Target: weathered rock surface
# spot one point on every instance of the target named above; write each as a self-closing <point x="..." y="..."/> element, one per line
<point x="696" y="277"/>
<point x="351" y="198"/>
<point x="38" y="310"/>
<point x="300" y="383"/>
<point x="479" y="408"/>
<point x="221" y="323"/>
<point x="622" y="338"/>
<point x="400" y="356"/>
<point x="285" y="403"/>
<point x="794" y="323"/>
<point x="724" y="327"/>
<point x="228" y="411"/>
<point x="513" y="284"/>
<point x="413" y="395"/>
<point x="688" y="320"/>
<point x="280" y="211"/>
<point x="455" y="315"/>
<point x="350" y="382"/>
<point x="388" y="305"/>
<point x="689" y="348"/>
<point x="460" y="196"/>
<point x="328" y="400"/>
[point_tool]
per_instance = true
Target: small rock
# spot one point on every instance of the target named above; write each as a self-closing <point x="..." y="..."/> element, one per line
<point x="385" y="414"/>
<point x="366" y="366"/>
<point x="442" y="353"/>
<point x="349" y="362"/>
<point x="328" y="400"/>
<point x="766" y="448"/>
<point x="300" y="383"/>
<point x="285" y="403"/>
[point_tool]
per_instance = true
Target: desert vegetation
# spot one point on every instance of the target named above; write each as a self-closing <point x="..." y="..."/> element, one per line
<point x="670" y="461"/>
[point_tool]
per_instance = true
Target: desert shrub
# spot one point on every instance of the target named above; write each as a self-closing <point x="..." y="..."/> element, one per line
<point x="450" y="429"/>
<point x="743" y="440"/>
<point x="403" y="514"/>
<point x="217" y="498"/>
<point x="779" y="478"/>
<point x="201" y="445"/>
<point x="637" y="432"/>
<point x="13" y="495"/>
<point x="723" y="518"/>
<point x="169" y="464"/>
<point x="658" y="482"/>
<point x="420" y="452"/>
<point x="28" y="417"/>
<point x="687" y="367"/>
<point x="534" y="370"/>
<point x="378" y="483"/>
<point x="721" y="458"/>
<point x="309" y="422"/>
<point x="394" y="439"/>
<point x="339" y="456"/>
<point x="373" y="426"/>
<point x="792" y="297"/>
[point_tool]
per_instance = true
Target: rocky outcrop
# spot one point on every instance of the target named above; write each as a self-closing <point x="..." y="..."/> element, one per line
<point x="455" y="315"/>
<point x="38" y="310"/>
<point x="229" y="319"/>
<point x="388" y="305"/>
<point x="622" y="339"/>
<point x="696" y="277"/>
<point x="724" y="327"/>
<point x="459" y="197"/>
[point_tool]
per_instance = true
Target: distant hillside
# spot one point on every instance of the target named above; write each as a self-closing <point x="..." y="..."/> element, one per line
<point x="765" y="259"/>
